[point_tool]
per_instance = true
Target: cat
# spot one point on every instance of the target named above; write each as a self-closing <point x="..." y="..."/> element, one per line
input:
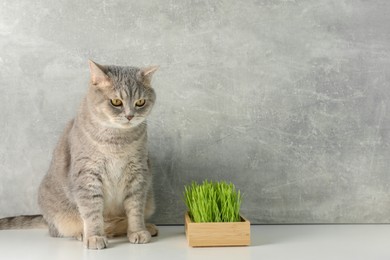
<point x="99" y="182"/>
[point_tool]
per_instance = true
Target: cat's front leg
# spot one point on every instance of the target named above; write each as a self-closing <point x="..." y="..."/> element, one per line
<point x="134" y="204"/>
<point x="89" y="198"/>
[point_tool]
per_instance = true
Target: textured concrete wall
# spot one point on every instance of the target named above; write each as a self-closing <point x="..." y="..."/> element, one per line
<point x="288" y="99"/>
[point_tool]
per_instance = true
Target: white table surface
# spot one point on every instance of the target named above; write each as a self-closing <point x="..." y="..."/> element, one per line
<point x="314" y="242"/>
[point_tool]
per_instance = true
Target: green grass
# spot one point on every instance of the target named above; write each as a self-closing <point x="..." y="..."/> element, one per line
<point x="213" y="202"/>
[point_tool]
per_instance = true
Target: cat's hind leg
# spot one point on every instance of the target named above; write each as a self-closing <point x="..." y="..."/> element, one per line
<point x="66" y="225"/>
<point x="152" y="228"/>
<point x="61" y="216"/>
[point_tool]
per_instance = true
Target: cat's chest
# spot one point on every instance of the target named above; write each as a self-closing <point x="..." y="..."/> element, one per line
<point x="114" y="184"/>
<point x="116" y="167"/>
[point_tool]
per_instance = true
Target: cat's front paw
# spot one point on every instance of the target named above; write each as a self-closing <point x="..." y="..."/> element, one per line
<point x="96" y="242"/>
<point x="140" y="237"/>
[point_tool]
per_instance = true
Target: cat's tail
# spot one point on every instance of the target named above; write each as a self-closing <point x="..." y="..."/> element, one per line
<point x="117" y="227"/>
<point x="23" y="222"/>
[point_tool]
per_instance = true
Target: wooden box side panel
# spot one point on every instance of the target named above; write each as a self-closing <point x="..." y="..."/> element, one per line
<point x="217" y="234"/>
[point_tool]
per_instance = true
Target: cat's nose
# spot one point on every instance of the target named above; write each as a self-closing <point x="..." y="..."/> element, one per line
<point x="129" y="117"/>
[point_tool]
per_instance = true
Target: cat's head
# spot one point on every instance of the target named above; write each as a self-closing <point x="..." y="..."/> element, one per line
<point x="120" y="97"/>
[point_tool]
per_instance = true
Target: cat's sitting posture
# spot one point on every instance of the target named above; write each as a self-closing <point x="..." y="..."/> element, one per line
<point x="99" y="182"/>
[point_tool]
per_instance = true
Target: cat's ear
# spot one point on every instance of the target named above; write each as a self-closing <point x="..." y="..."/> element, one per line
<point x="98" y="74"/>
<point x="144" y="75"/>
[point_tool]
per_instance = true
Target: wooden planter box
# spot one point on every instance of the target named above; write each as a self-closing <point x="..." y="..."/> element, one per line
<point x="218" y="234"/>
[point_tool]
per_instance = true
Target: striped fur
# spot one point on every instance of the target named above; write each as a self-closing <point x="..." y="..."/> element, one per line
<point x="23" y="222"/>
<point x="99" y="182"/>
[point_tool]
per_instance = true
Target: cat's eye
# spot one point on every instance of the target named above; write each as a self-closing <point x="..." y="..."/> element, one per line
<point x="140" y="102"/>
<point x="116" y="102"/>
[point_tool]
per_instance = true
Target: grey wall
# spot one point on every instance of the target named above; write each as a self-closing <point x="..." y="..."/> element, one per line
<point x="287" y="99"/>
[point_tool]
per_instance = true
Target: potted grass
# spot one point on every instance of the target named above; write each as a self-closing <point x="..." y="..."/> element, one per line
<point x="213" y="217"/>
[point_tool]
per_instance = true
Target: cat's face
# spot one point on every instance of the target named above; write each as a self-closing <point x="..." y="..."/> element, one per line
<point x="121" y="97"/>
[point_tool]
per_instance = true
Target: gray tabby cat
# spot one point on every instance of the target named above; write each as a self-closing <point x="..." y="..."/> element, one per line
<point x="99" y="183"/>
